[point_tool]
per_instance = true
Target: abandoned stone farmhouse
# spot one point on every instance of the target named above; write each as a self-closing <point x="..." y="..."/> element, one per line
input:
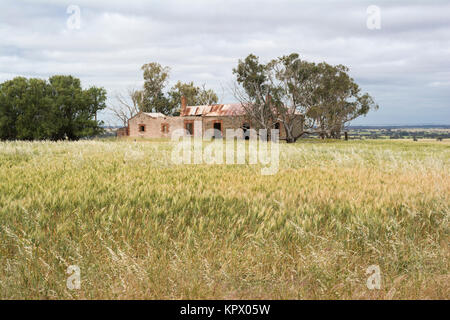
<point x="192" y="119"/>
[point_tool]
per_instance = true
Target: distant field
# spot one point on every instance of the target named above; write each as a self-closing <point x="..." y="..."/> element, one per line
<point x="140" y="227"/>
<point x="399" y="133"/>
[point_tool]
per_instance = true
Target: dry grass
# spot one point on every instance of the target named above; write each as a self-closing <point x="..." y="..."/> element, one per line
<point x="139" y="227"/>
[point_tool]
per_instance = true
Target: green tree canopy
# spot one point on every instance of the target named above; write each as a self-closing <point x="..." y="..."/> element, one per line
<point x="325" y="96"/>
<point x="194" y="95"/>
<point x="35" y="109"/>
<point x="156" y="99"/>
<point x="155" y="81"/>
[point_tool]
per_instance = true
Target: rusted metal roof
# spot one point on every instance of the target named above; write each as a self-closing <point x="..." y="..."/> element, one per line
<point x="217" y="110"/>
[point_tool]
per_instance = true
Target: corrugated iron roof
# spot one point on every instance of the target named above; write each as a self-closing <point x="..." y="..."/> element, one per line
<point x="216" y="110"/>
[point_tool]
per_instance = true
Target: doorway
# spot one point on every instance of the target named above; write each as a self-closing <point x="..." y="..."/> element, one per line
<point x="217" y="130"/>
<point x="189" y="126"/>
<point x="246" y="129"/>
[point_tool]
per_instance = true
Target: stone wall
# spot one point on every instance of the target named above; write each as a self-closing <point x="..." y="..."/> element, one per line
<point x="153" y="127"/>
<point x="163" y="127"/>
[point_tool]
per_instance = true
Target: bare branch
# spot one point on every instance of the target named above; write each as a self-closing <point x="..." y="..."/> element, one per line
<point x="127" y="105"/>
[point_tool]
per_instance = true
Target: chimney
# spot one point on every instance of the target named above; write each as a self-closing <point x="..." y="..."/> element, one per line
<point x="183" y="105"/>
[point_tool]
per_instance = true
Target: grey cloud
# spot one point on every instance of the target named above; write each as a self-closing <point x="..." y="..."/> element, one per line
<point x="404" y="65"/>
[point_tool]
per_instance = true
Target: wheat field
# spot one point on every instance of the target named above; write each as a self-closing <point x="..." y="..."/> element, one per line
<point x="140" y="227"/>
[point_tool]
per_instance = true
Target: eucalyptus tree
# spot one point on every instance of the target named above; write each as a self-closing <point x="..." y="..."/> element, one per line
<point x="156" y="78"/>
<point x="194" y="95"/>
<point x="156" y="98"/>
<point x="253" y="90"/>
<point x="303" y="96"/>
<point x="338" y="100"/>
<point x="293" y="82"/>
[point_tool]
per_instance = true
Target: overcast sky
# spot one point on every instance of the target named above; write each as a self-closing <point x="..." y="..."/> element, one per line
<point x="404" y="65"/>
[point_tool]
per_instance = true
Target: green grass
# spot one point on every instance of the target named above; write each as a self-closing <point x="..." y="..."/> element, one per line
<point x="140" y="227"/>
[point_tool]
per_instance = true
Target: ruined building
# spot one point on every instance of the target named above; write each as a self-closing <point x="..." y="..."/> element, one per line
<point x="192" y="119"/>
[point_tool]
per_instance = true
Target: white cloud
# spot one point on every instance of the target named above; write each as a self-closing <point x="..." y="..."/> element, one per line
<point x="404" y="65"/>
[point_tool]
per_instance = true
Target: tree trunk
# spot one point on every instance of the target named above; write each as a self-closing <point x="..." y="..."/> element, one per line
<point x="291" y="140"/>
